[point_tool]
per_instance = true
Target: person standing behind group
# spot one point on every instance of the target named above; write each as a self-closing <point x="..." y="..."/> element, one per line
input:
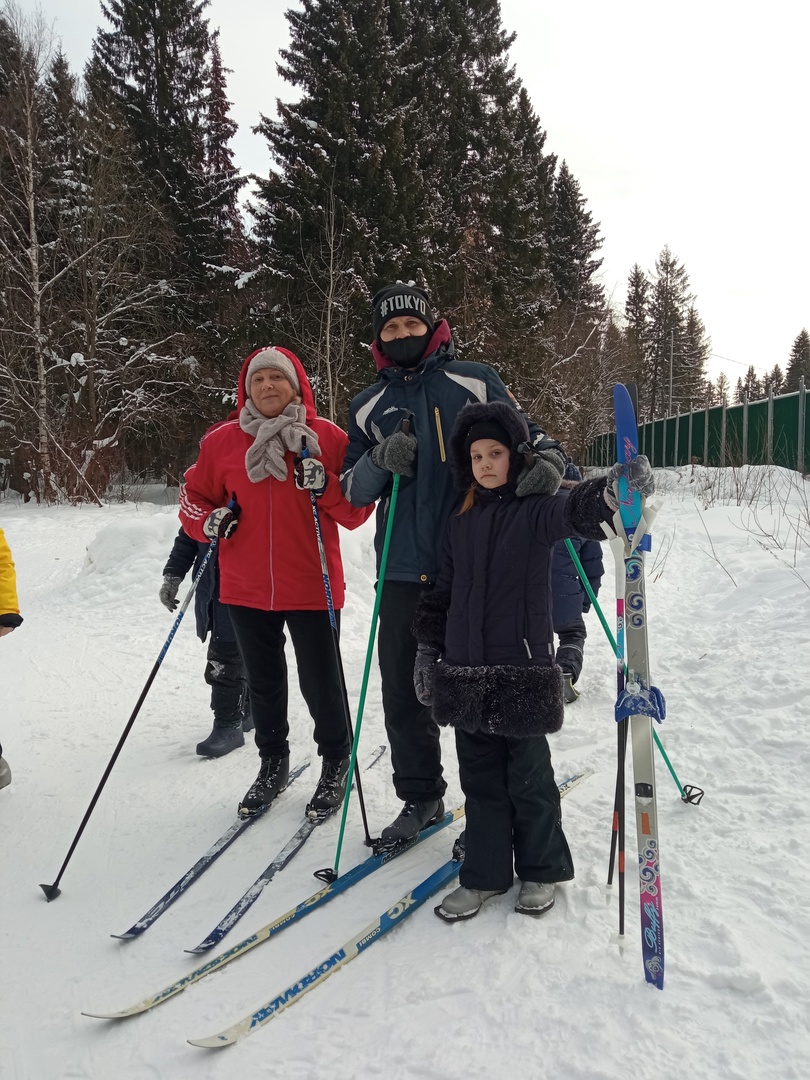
<point x="224" y="672"/>
<point x="421" y="381"/>
<point x="571" y="598"/>
<point x="10" y="619"/>
<point x="250" y="487"/>
<point x="485" y="660"/>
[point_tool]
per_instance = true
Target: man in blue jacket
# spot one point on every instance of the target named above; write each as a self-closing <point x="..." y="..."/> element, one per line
<point x="570" y="597"/>
<point x="224" y="672"/>
<point x="419" y="381"/>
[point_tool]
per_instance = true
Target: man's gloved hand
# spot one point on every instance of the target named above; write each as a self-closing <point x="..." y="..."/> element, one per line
<point x="310" y="475"/>
<point x="423" y="671"/>
<point x="168" y="591"/>
<point x="639" y="478"/>
<point x="396" y="453"/>
<point x="220" y="523"/>
<point x="544" y="474"/>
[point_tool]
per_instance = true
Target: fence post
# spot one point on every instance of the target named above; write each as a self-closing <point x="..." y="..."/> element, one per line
<point x="723" y="438"/>
<point x="769" y="448"/>
<point x="677" y="430"/>
<point x="745" y="431"/>
<point x="689" y="446"/>
<point x="706" y="439"/>
<point x="802" y="413"/>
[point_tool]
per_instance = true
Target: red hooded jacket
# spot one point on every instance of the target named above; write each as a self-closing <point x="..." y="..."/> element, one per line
<point x="272" y="561"/>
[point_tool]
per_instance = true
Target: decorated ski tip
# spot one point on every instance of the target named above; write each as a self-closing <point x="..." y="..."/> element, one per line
<point x="51" y="892"/>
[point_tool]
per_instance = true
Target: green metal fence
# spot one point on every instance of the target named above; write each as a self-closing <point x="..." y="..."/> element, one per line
<point x="770" y="432"/>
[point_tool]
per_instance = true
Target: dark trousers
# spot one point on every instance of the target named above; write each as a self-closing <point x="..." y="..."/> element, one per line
<point x="412" y="732"/>
<point x="513" y="806"/>
<point x="571" y="648"/>
<point x="225" y="675"/>
<point x="260" y="635"/>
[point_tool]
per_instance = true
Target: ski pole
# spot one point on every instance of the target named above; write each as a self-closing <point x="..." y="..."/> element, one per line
<point x="336" y="642"/>
<point x="52" y="891"/>
<point x="689" y="793"/>
<point x="329" y="875"/>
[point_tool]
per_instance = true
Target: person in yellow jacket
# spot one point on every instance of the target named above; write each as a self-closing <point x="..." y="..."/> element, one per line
<point x="10" y="619"/>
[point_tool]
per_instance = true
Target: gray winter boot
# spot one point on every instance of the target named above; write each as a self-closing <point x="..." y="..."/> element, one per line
<point x="413" y="817"/>
<point x="535" y="898"/>
<point x="5" y="773"/>
<point x="464" y="903"/>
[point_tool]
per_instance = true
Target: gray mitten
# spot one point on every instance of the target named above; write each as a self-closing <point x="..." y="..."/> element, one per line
<point x="396" y="453"/>
<point x="544" y="475"/>
<point x="423" y="671"/>
<point x="639" y="478"/>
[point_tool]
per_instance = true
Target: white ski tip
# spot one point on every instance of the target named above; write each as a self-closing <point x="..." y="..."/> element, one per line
<point x="211" y="1043"/>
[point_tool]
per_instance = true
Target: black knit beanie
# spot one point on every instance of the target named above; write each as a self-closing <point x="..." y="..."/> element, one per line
<point x="400" y="299"/>
<point x="487" y="429"/>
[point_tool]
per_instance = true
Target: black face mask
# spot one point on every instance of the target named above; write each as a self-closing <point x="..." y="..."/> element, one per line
<point x="405" y="352"/>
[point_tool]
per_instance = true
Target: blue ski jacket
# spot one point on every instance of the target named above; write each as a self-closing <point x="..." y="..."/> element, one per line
<point x="431" y="397"/>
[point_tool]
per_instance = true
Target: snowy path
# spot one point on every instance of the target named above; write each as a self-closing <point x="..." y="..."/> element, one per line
<point x="501" y="995"/>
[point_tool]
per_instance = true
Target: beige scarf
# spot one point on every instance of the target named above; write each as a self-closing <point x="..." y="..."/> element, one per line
<point x="273" y="436"/>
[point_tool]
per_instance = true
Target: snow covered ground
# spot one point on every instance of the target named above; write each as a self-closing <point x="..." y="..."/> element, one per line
<point x="502" y="995"/>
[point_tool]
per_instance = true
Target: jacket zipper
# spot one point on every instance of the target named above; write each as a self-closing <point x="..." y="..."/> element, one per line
<point x="439" y="433"/>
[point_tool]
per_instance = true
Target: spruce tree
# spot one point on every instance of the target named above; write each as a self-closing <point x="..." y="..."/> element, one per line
<point x="670" y="299"/>
<point x="637" y="331"/>
<point x="798" y="363"/>
<point x="573" y="242"/>
<point x="774" y="381"/>
<point x="696" y="349"/>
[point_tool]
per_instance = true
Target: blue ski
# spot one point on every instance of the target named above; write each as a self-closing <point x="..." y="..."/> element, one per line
<point x="306" y="907"/>
<point x="388" y="920"/>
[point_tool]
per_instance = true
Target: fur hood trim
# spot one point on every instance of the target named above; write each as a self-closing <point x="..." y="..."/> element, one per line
<point x="499" y="699"/>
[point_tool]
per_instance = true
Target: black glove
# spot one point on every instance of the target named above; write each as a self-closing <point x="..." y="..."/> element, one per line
<point x="168" y="591"/>
<point x="544" y="475"/>
<point x="423" y="671"/>
<point x="220" y="523"/>
<point x="639" y="478"/>
<point x="396" y="453"/>
<point x="310" y="475"/>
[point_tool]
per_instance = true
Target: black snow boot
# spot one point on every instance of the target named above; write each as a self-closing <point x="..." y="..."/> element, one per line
<point x="331" y="788"/>
<point x="271" y="781"/>
<point x="414" y="817"/>
<point x="221" y="741"/>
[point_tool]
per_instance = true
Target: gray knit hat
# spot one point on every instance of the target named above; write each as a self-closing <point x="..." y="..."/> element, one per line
<point x="272" y="358"/>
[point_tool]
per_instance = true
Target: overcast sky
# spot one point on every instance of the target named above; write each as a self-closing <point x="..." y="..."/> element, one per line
<point x="685" y="125"/>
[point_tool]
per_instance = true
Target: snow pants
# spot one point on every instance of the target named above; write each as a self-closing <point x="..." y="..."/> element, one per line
<point x="225" y="675"/>
<point x="570" y="651"/>
<point x="260" y="635"/>
<point x="412" y="732"/>
<point x="513" y="812"/>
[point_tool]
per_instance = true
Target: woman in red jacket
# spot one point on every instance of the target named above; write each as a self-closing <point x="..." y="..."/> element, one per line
<point x="269" y="563"/>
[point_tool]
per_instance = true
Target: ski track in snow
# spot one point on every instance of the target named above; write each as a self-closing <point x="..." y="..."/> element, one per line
<point x="496" y="996"/>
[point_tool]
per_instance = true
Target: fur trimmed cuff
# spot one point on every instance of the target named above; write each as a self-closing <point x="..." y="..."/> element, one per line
<point x="586" y="509"/>
<point x="500" y="700"/>
<point x="430" y="620"/>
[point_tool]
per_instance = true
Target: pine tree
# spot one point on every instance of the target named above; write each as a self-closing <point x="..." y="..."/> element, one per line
<point x="637" y="331"/>
<point x="774" y="382"/>
<point x="695" y="351"/>
<point x="722" y="388"/>
<point x="573" y="242"/>
<point x="156" y="60"/>
<point x="749" y="388"/>
<point x="798" y="363"/>
<point x="669" y="303"/>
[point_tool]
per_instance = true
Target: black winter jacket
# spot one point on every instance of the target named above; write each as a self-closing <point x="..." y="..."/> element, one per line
<point x="211" y="616"/>
<point x="490" y="613"/>
<point x="570" y="595"/>
<point x="431" y="396"/>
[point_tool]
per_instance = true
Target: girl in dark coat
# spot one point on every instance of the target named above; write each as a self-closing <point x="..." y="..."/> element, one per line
<point x="485" y="660"/>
